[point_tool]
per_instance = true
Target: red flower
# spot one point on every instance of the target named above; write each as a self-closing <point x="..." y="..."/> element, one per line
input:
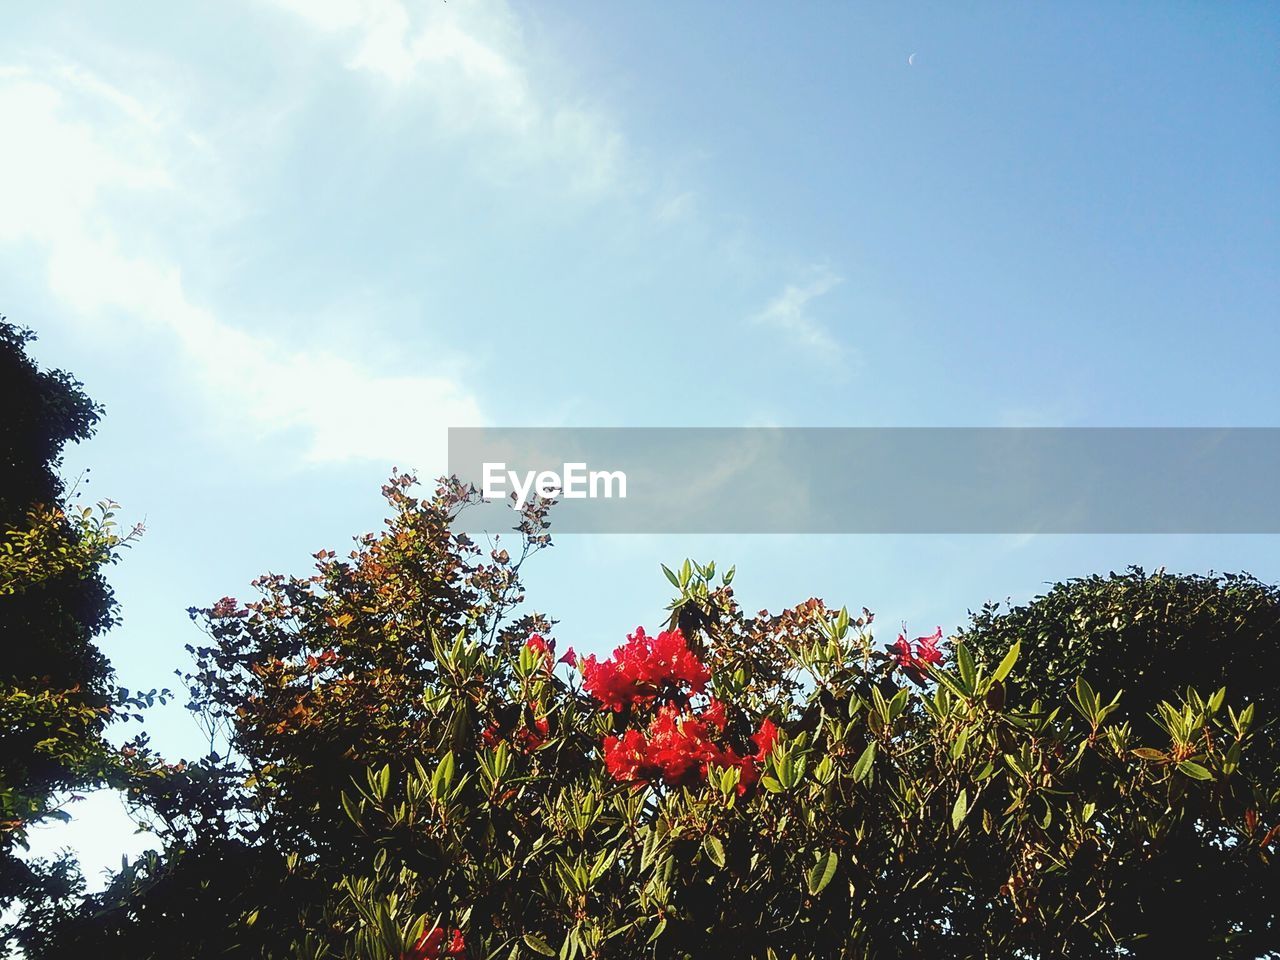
<point x="765" y="738"/>
<point x="644" y="669"/>
<point x="927" y="648"/>
<point x="750" y="766"/>
<point x="679" y="744"/>
<point x="912" y="660"/>
<point x="901" y="651"/>
<point x="548" y="650"/>
<point x="679" y="748"/>
<point x="625" y="757"/>
<point x="432" y="946"/>
<point x="532" y="736"/>
<point x="535" y="642"/>
<point x="608" y="684"/>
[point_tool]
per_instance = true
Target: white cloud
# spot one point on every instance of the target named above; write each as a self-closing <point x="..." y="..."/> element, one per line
<point x="469" y="62"/>
<point x="78" y="153"/>
<point x="788" y="312"/>
<point x="53" y="166"/>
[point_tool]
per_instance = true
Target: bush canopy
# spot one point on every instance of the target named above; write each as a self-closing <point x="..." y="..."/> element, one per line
<point x="408" y="764"/>
<point x="413" y="767"/>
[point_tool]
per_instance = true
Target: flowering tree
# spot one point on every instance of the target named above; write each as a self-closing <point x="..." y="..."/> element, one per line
<point x="413" y="770"/>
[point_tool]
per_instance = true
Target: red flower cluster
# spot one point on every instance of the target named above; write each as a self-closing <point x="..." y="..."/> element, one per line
<point x="677" y="749"/>
<point x="913" y="660"/>
<point x="644" y="669"/>
<point x="680" y="743"/>
<point x="433" y="946"/>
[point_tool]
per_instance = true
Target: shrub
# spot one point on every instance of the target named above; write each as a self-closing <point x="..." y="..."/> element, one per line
<point x="416" y="771"/>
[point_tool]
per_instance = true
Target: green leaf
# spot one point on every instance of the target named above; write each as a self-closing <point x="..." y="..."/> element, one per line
<point x="1233" y="758"/>
<point x="657" y="931"/>
<point x="538" y="945"/>
<point x="898" y="705"/>
<point x="820" y="873"/>
<point x="1086" y="701"/>
<point x="675" y="581"/>
<point x="959" y="810"/>
<point x="349" y="808"/>
<point x="1194" y="770"/>
<point x="964" y="660"/>
<point x="862" y="769"/>
<point x="950" y="682"/>
<point x="714" y="849"/>
<point x="1148" y="753"/>
<point x="442" y="779"/>
<point x="1010" y="658"/>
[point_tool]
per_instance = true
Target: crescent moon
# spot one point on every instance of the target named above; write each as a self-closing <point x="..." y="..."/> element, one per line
<point x="911" y="60"/>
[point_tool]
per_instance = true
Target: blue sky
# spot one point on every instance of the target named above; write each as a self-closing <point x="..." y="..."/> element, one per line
<point x="289" y="243"/>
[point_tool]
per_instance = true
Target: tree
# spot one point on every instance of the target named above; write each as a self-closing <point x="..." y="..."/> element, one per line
<point x="414" y="768"/>
<point x="1156" y="636"/>
<point x="57" y="693"/>
<point x="263" y="813"/>
<point x="44" y="411"/>
<point x="1152" y="635"/>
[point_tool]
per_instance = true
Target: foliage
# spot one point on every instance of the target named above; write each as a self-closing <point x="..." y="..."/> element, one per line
<point x="412" y="771"/>
<point x="43" y="411"/>
<point x="57" y="694"/>
<point x="1152" y="635"/>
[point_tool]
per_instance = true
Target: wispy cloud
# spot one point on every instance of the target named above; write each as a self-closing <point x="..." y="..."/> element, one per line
<point x="788" y="313"/>
<point x="470" y="64"/>
<point x="79" y="154"/>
